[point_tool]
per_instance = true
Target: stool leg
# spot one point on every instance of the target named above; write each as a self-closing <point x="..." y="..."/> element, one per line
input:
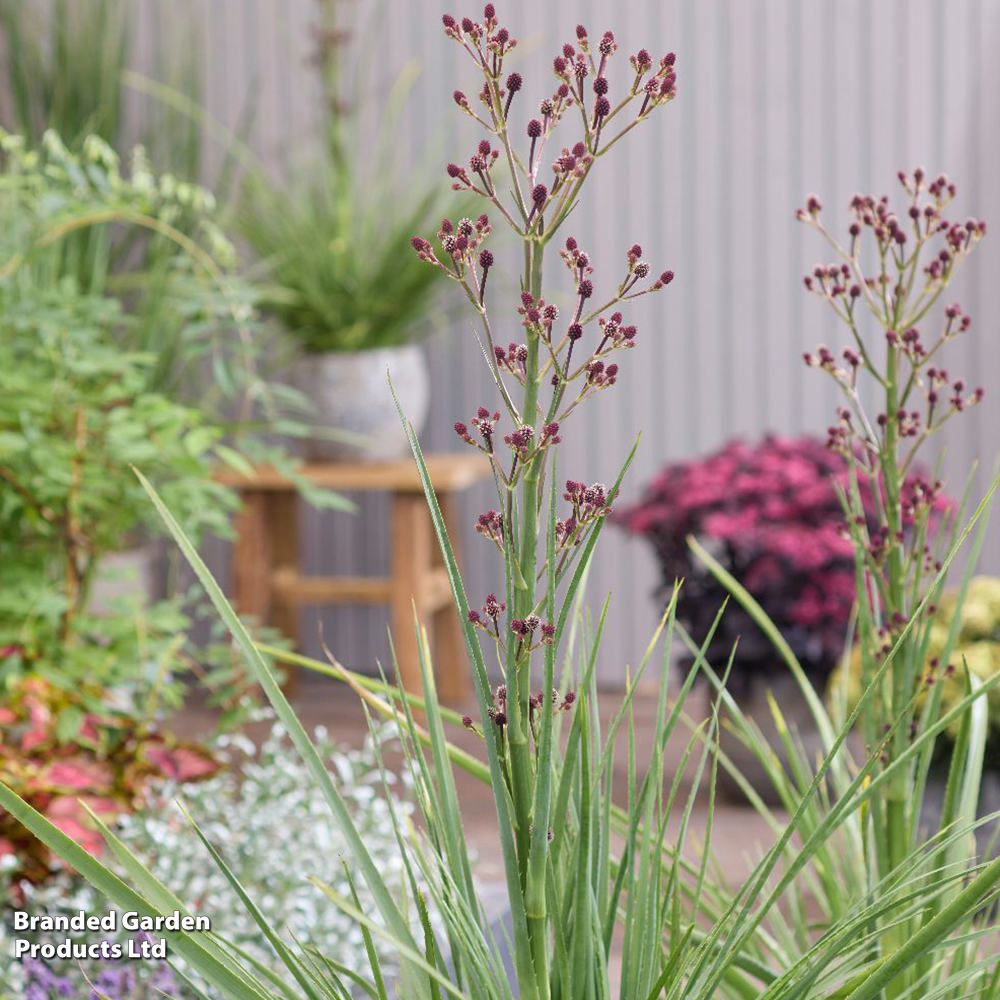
<point x="283" y="519"/>
<point x="251" y="560"/>
<point x="451" y="660"/>
<point x="266" y="538"/>
<point x="412" y="554"/>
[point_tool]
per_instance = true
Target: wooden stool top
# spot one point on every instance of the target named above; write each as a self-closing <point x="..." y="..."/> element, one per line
<point x="448" y="473"/>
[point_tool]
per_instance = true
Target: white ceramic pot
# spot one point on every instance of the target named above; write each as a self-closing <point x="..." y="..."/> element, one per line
<point x="350" y="394"/>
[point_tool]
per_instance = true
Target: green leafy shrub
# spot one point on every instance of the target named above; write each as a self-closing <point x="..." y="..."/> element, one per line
<point x="76" y="412"/>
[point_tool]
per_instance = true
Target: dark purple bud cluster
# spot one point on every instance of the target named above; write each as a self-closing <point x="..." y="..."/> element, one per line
<point x="615" y="333"/>
<point x="526" y="629"/>
<point x="497" y="712"/>
<point x="490" y="525"/>
<point x="589" y="503"/>
<point x="488" y="617"/>
<point x="484" y="422"/>
<point x="519" y="441"/>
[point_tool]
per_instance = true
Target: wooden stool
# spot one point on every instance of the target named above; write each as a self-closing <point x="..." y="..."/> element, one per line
<point x="267" y="582"/>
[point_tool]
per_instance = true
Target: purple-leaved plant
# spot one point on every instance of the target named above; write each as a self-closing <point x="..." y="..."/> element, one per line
<point x="771" y="514"/>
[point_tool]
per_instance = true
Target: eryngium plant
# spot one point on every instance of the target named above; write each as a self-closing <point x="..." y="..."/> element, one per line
<point x="583" y="873"/>
<point x="891" y="272"/>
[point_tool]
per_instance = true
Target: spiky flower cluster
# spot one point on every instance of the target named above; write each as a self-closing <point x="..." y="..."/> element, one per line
<point x="894" y="267"/>
<point x="916" y="252"/>
<point x="561" y="355"/>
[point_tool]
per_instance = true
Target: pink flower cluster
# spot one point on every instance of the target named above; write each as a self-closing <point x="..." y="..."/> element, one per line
<point x="771" y="513"/>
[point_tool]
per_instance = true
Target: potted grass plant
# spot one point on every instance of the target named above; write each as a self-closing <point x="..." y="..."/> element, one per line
<point x="336" y="271"/>
<point x="850" y="902"/>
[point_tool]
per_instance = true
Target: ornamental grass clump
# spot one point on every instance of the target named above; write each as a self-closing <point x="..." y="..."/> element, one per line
<point x="600" y="901"/>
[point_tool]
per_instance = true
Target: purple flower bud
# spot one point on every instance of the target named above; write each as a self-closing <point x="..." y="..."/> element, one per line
<point x="468" y="24"/>
<point x="485" y="260"/>
<point x="460" y="99"/>
<point x="669" y="59"/>
<point x="587" y="289"/>
<point x="581" y="32"/>
<point x="666" y="277"/>
<point x="643" y="59"/>
<point x="575" y="332"/>
<point x="461" y="430"/>
<point x="602" y="107"/>
<point x="489" y="12"/>
<point x="539" y="193"/>
<point x="454" y="170"/>
<point x="448" y="21"/>
<point x="601" y="86"/>
<point x="514" y="82"/>
<point x="534" y="128"/>
<point x="579" y="150"/>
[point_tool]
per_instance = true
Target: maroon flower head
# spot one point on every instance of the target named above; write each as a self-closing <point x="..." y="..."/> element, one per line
<point x="514" y="82"/>
<point x="460" y="99"/>
<point x="581" y="33"/>
<point x="534" y="128"/>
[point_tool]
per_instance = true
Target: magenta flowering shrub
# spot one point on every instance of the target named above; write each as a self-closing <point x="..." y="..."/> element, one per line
<point x="772" y="515"/>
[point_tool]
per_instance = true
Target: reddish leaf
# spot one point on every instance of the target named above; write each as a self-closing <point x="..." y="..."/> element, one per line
<point x="33" y="738"/>
<point x="68" y="815"/>
<point x="181" y="763"/>
<point x="79" y="774"/>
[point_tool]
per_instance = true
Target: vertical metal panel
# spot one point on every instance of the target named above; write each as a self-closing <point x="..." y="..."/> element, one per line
<point x="777" y="98"/>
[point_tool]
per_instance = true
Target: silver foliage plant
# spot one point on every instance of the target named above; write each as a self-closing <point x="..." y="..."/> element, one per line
<point x="611" y="891"/>
<point x="262" y="812"/>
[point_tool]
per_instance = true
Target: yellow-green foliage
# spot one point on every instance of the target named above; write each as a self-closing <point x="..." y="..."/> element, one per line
<point x="977" y="647"/>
